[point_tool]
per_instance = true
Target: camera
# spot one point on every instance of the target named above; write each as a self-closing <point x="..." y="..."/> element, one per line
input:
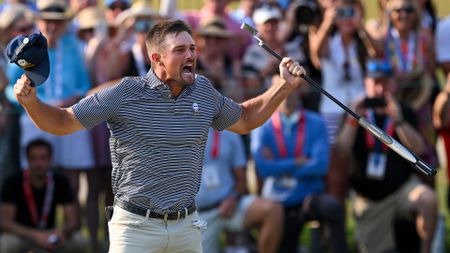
<point x="345" y="12"/>
<point x="374" y="102"/>
<point x="305" y="11"/>
<point x="53" y="239"/>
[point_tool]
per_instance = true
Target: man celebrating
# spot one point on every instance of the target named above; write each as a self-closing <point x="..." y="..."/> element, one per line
<point x="159" y="126"/>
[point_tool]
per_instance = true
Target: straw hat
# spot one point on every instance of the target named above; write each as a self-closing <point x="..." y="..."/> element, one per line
<point x="53" y="10"/>
<point x="215" y="27"/>
<point x="90" y="17"/>
<point x="139" y="9"/>
<point x="12" y="13"/>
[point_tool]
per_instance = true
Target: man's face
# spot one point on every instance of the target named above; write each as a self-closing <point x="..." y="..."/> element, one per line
<point x="39" y="160"/>
<point x="178" y="59"/>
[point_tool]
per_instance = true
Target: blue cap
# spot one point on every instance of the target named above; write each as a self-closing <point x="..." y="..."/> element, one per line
<point x="379" y="69"/>
<point x="30" y="53"/>
<point x="108" y="3"/>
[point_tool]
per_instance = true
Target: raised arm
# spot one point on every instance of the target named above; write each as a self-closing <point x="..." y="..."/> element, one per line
<point x="57" y="121"/>
<point x="257" y="110"/>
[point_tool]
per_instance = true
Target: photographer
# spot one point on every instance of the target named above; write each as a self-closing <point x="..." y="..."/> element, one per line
<point x="300" y="16"/>
<point x="28" y="211"/>
<point x="384" y="184"/>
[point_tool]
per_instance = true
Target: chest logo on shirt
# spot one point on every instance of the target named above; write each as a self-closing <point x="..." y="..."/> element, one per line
<point x="195" y="107"/>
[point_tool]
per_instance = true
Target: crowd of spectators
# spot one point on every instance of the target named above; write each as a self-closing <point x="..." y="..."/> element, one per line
<point x="309" y="158"/>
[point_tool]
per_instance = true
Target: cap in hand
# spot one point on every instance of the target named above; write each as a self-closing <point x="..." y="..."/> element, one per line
<point x="30" y="53"/>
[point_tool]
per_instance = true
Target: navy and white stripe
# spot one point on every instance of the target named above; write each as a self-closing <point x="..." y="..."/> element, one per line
<point x="157" y="142"/>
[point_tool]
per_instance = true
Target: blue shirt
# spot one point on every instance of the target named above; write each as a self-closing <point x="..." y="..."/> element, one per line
<point x="68" y="75"/>
<point x="309" y="177"/>
<point x="217" y="175"/>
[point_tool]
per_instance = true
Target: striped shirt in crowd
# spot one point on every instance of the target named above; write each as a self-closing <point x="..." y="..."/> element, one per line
<point x="157" y="142"/>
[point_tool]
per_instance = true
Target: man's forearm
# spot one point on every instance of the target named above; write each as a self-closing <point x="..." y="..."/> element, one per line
<point x="20" y="230"/>
<point x="57" y="121"/>
<point x="257" y="110"/>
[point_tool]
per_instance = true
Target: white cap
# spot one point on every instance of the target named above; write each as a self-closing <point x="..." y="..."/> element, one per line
<point x="266" y="13"/>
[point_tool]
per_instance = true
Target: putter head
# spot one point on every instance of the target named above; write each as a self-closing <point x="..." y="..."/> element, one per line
<point x="249" y="29"/>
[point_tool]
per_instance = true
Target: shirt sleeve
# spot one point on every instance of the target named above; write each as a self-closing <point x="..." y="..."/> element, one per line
<point x="229" y="112"/>
<point x="99" y="107"/>
<point x="442" y="39"/>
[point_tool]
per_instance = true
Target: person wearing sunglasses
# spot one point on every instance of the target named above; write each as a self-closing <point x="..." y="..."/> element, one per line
<point x="410" y="50"/>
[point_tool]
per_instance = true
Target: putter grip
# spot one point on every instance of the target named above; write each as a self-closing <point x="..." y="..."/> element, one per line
<point x="424" y="168"/>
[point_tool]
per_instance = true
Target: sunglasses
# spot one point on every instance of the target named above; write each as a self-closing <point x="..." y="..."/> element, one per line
<point x="406" y="9"/>
<point x="346" y="66"/>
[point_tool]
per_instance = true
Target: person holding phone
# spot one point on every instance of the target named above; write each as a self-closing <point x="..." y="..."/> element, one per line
<point x="384" y="184"/>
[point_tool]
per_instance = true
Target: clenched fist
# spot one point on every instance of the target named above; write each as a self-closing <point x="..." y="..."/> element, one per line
<point x="23" y="90"/>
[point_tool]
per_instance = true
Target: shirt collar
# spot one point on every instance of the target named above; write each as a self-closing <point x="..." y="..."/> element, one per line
<point x="156" y="84"/>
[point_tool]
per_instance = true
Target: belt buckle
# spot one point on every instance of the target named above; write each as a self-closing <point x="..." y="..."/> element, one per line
<point x="165" y="217"/>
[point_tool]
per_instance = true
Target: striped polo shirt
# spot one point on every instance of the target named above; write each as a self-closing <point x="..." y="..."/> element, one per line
<point x="157" y="142"/>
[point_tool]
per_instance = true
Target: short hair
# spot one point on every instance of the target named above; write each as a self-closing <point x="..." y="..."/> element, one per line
<point x="38" y="143"/>
<point x="156" y="36"/>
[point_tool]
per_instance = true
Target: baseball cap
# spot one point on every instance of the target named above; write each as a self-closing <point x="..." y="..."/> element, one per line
<point x="30" y="53"/>
<point x="266" y="13"/>
<point x="378" y="69"/>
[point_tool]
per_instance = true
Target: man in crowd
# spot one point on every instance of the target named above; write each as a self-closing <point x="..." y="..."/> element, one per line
<point x="29" y="203"/>
<point x="384" y="183"/>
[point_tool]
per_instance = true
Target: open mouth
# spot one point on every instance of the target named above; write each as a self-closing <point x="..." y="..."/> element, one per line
<point x="188" y="69"/>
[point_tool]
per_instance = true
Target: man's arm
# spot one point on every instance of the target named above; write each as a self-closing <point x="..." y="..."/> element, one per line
<point x="257" y="110"/>
<point x="58" y="121"/>
<point x="9" y="224"/>
<point x="71" y="221"/>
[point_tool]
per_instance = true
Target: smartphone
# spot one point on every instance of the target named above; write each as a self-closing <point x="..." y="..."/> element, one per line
<point x="345" y="12"/>
<point x="374" y="102"/>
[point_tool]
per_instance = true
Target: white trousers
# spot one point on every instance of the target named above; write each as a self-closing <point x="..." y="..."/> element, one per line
<point x="132" y="233"/>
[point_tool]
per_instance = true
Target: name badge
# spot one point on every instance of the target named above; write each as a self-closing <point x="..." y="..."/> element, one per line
<point x="376" y="166"/>
<point x="210" y="176"/>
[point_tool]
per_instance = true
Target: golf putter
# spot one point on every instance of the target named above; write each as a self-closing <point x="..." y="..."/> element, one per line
<point x="417" y="162"/>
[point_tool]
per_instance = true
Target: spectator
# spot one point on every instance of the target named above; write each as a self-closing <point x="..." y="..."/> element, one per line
<point x="301" y="17"/>
<point x="385" y="186"/>
<point x="212" y="41"/>
<point x="340" y="48"/>
<point x="29" y="201"/>
<point x="442" y="48"/>
<point x="291" y="153"/>
<point x="258" y="65"/>
<point x="222" y="201"/>
<point x="68" y="81"/>
<point x="135" y="23"/>
<point x="410" y="50"/>
<point x="441" y="122"/>
<point x="15" y="19"/>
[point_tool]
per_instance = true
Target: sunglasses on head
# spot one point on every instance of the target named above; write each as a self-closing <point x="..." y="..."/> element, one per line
<point x="406" y="9"/>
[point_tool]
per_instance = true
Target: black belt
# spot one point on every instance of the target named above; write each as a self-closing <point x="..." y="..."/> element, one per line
<point x="143" y="212"/>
